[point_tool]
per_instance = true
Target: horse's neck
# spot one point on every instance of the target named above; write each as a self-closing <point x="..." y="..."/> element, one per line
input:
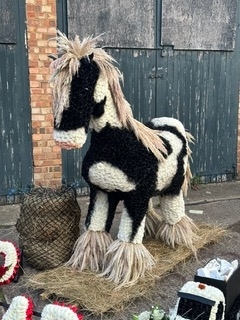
<point x="110" y="113"/>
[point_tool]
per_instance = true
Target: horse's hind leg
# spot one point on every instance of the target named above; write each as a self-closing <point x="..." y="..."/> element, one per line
<point x="91" y="246"/>
<point x="177" y="227"/>
<point x="127" y="259"/>
<point x="153" y="221"/>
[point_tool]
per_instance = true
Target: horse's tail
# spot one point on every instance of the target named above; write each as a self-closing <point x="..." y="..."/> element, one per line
<point x="188" y="173"/>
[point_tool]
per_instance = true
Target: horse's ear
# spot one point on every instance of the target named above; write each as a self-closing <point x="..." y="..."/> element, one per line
<point x="91" y="56"/>
<point x="87" y="59"/>
<point x="52" y="57"/>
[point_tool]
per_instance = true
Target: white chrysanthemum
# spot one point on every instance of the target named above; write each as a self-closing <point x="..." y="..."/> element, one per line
<point x="75" y="137"/>
<point x="205" y="291"/>
<point x="56" y="312"/>
<point x="18" y="309"/>
<point x="209" y="292"/>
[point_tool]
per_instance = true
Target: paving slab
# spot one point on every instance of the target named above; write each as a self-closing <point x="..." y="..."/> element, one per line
<point x="9" y="215"/>
<point x="217" y="204"/>
<point x="200" y="194"/>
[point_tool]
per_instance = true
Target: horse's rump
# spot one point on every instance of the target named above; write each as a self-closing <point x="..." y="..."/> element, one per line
<point x="176" y="127"/>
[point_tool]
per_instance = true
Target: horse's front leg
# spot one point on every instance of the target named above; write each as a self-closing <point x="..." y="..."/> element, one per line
<point x="91" y="246"/>
<point x="127" y="259"/>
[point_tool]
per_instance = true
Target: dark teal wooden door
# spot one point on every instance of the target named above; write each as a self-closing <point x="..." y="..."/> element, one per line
<point x="200" y="88"/>
<point x="15" y="118"/>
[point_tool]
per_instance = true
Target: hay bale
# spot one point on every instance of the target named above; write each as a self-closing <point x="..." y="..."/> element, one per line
<point x="48" y="226"/>
<point x="98" y="295"/>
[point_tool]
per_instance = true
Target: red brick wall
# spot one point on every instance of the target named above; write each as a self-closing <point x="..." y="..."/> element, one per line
<point x="41" y="26"/>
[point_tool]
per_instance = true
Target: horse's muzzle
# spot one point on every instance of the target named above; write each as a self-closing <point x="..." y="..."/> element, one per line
<point x="68" y="146"/>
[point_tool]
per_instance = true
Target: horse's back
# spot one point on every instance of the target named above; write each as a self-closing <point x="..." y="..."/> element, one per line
<point x="166" y="122"/>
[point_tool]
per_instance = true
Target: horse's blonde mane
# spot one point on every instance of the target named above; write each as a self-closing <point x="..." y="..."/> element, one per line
<point x="66" y="66"/>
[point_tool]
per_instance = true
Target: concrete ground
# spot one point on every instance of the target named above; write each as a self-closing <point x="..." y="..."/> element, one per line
<point x="217" y="204"/>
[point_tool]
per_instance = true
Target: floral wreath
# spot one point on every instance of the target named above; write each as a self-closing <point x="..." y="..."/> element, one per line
<point x="21" y="308"/>
<point x="11" y="262"/>
<point x="60" y="311"/>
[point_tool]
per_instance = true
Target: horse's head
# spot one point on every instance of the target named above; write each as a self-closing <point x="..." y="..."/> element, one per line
<point x="87" y="91"/>
<point x="75" y="74"/>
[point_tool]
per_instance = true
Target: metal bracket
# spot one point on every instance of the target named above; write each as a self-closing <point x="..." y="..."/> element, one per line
<point x="154" y="76"/>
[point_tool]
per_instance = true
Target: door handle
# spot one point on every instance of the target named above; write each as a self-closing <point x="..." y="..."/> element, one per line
<point x="155" y="76"/>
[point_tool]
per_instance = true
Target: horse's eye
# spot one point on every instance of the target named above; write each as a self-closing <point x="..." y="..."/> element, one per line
<point x="86" y="89"/>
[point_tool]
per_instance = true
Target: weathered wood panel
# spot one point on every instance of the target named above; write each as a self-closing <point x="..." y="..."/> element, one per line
<point x="7" y="21"/>
<point x="125" y="23"/>
<point x="201" y="89"/>
<point x="15" y="120"/>
<point x="203" y="25"/>
<point x="139" y="83"/>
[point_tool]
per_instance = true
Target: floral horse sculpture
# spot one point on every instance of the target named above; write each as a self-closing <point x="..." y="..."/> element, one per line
<point x="126" y="161"/>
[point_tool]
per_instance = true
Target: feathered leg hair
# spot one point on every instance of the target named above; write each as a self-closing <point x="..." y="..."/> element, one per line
<point x="177" y="228"/>
<point x="89" y="250"/>
<point x="126" y="262"/>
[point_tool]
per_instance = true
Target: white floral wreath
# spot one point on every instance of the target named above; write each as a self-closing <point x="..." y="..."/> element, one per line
<point x="60" y="312"/>
<point x="21" y="308"/>
<point x="11" y="263"/>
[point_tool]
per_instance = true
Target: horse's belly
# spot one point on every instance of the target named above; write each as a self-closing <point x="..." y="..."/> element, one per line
<point x="110" y="178"/>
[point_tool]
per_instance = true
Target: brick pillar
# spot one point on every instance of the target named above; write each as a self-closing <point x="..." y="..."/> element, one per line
<point x="41" y="26"/>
